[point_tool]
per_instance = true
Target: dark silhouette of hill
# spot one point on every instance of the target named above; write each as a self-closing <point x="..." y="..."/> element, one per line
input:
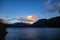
<point x="18" y="24"/>
<point x="52" y="22"/>
<point x="40" y="23"/>
<point x="55" y="21"/>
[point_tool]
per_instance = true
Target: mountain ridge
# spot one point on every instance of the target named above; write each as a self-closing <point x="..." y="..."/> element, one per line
<point x="42" y="23"/>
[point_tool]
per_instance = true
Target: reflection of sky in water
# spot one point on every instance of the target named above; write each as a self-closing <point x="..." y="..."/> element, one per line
<point x="32" y="33"/>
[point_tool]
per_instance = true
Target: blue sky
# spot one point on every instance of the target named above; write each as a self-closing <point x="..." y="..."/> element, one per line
<point x="24" y="8"/>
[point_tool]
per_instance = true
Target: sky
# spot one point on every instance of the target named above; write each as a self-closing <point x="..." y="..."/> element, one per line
<point x="22" y="8"/>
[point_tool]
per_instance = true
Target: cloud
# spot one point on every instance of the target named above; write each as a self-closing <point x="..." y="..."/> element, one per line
<point x="26" y="19"/>
<point x="52" y="6"/>
<point x="32" y="18"/>
<point x="20" y="18"/>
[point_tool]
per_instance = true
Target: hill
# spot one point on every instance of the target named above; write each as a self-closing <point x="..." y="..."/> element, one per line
<point x="42" y="23"/>
<point x="55" y="22"/>
<point x="18" y="24"/>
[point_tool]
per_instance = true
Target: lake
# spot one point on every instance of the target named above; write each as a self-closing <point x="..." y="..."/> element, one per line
<point x="33" y="34"/>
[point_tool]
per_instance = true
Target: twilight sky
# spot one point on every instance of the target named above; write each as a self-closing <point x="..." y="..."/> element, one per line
<point x="24" y="8"/>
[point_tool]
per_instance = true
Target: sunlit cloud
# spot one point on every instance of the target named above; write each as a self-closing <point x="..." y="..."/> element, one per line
<point x="32" y="18"/>
<point x="28" y="19"/>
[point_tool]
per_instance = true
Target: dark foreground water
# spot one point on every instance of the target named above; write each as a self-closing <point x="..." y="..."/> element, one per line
<point x="33" y="34"/>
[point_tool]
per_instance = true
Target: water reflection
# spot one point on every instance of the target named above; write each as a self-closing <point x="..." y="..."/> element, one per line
<point x="33" y="34"/>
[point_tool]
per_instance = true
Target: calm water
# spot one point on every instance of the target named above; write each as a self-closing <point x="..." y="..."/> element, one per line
<point x="33" y="33"/>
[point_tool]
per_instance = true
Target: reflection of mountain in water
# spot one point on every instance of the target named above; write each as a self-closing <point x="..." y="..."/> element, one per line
<point x="54" y="22"/>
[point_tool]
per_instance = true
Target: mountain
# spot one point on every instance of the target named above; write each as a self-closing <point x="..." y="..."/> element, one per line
<point x="52" y="22"/>
<point x="41" y="22"/>
<point x="55" y="21"/>
<point x="18" y="24"/>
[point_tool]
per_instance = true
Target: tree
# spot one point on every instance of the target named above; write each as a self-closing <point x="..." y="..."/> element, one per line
<point x="2" y="29"/>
